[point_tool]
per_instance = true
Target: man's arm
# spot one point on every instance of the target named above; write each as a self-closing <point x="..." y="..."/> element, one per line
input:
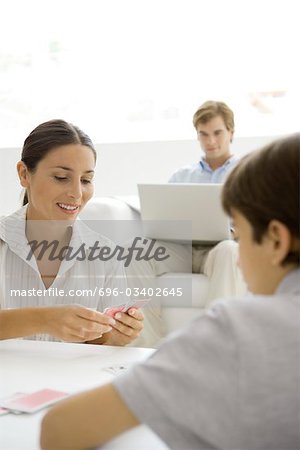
<point x="86" y="420"/>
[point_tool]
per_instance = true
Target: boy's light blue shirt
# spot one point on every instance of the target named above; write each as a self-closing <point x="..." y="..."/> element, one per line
<point x="201" y="172"/>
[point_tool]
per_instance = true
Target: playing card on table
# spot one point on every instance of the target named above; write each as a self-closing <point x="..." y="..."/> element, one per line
<point x="14" y="396"/>
<point x="30" y="403"/>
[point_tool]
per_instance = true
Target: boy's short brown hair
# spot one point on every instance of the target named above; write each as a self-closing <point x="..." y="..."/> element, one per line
<point x="264" y="186"/>
<point x="211" y="109"/>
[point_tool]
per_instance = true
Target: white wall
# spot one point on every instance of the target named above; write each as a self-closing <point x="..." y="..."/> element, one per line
<point x="121" y="166"/>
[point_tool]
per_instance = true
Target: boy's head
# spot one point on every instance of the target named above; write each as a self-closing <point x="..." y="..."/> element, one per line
<point x="262" y="196"/>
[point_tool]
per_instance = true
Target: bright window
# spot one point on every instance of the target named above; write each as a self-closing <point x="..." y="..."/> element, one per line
<point x="136" y="70"/>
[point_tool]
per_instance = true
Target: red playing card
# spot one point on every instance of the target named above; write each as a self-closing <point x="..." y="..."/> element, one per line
<point x="112" y="311"/>
<point x="30" y="403"/>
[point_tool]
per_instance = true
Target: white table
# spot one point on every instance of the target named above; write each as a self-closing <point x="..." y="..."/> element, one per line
<point x="27" y="366"/>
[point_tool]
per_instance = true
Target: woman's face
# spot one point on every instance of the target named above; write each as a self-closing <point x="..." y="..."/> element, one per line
<point x="62" y="183"/>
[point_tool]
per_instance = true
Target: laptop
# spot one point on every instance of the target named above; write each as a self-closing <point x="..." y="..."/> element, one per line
<point x="183" y="212"/>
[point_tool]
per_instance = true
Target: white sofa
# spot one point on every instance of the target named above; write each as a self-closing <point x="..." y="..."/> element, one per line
<point x="176" y="311"/>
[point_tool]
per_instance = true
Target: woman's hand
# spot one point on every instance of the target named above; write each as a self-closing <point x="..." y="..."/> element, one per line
<point x="126" y="329"/>
<point x="76" y="323"/>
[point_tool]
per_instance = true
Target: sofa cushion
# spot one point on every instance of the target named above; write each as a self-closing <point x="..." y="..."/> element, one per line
<point x="193" y="287"/>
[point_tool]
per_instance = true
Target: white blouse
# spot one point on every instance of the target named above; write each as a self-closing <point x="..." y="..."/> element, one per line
<point x="94" y="283"/>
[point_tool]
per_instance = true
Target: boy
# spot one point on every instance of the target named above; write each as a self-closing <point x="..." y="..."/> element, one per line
<point x="230" y="379"/>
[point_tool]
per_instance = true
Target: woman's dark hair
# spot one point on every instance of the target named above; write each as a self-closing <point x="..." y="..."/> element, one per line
<point x="265" y="186"/>
<point x="47" y="136"/>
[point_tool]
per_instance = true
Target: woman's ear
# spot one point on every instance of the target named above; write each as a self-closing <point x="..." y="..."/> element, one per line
<point x="280" y="239"/>
<point x="23" y="174"/>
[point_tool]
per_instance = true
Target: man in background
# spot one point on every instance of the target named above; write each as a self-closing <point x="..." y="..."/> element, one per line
<point x="214" y="123"/>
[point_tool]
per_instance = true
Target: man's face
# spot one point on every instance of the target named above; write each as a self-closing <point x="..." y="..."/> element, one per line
<point x="215" y="139"/>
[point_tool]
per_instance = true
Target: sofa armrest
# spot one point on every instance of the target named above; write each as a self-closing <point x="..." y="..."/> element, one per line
<point x="109" y="208"/>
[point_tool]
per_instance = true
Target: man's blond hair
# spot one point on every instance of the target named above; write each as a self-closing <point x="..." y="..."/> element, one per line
<point x="211" y="109"/>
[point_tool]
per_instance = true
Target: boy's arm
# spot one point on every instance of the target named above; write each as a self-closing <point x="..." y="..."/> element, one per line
<point x="86" y="420"/>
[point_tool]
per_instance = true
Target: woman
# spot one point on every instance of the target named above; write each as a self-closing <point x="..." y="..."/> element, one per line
<point x="39" y="275"/>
